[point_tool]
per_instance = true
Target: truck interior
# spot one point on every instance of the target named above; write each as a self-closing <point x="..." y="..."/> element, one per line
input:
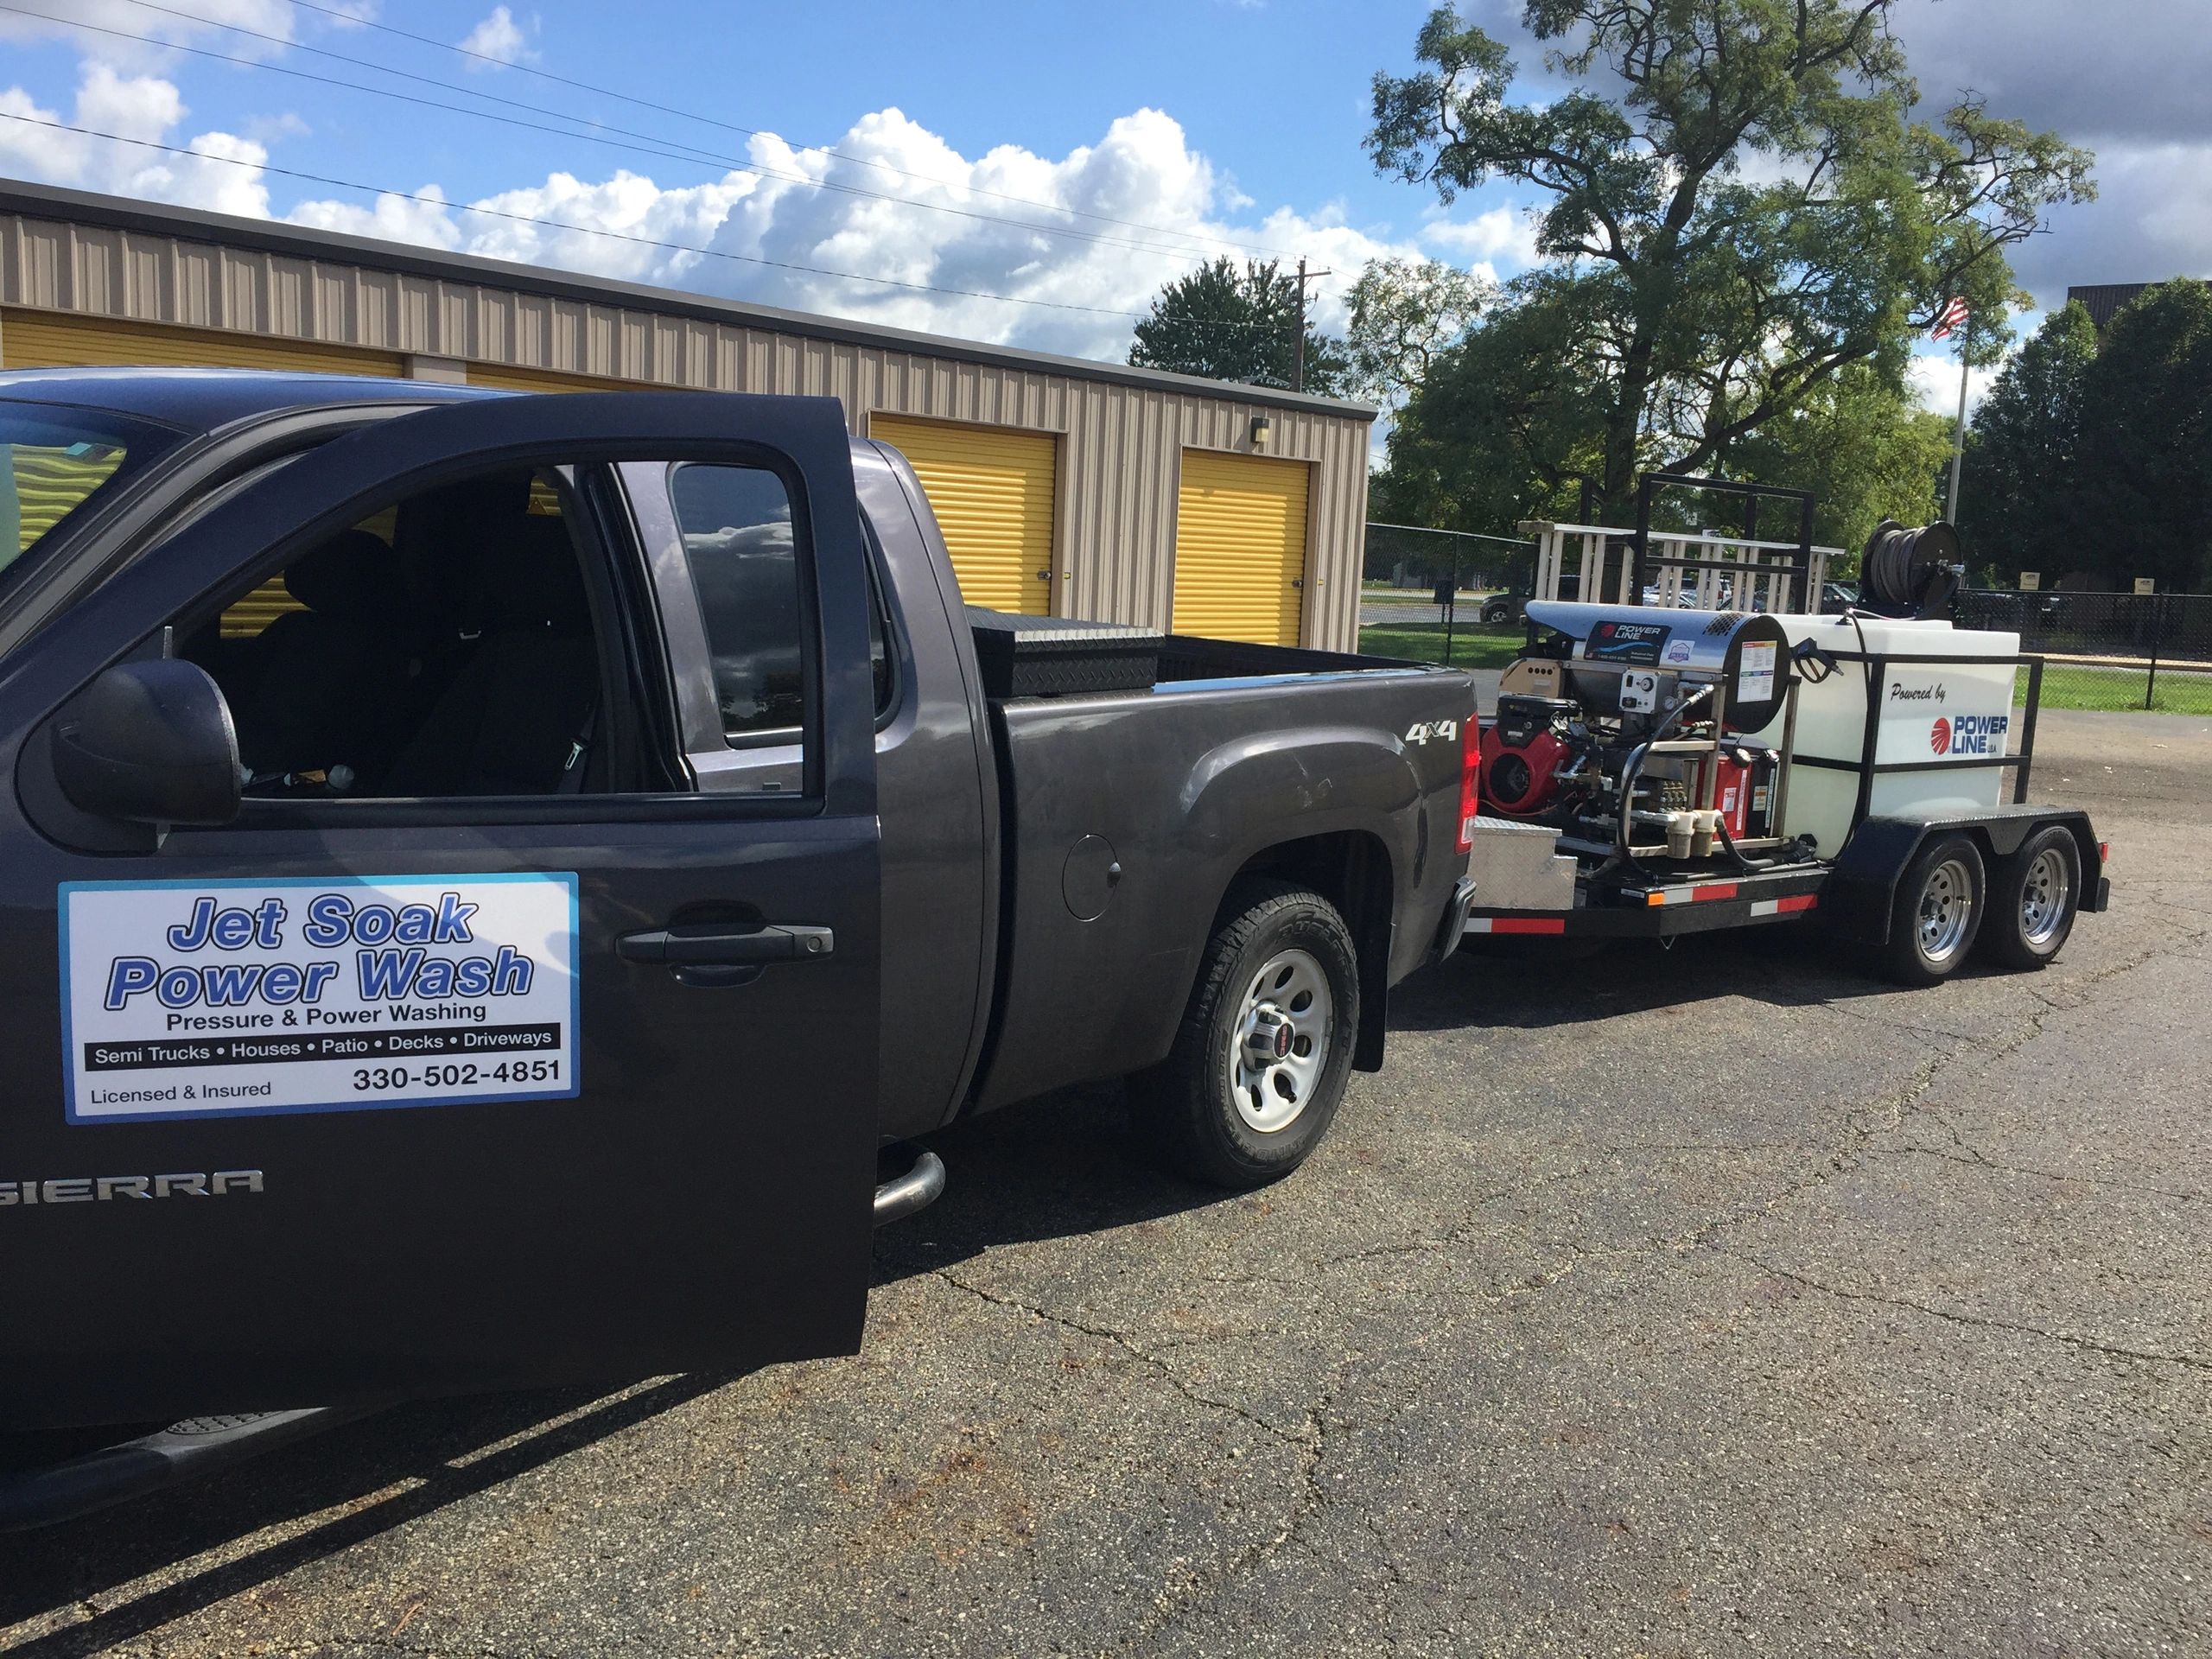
<point x="441" y="648"/>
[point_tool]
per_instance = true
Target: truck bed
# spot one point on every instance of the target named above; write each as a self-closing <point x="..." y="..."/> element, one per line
<point x="1126" y="815"/>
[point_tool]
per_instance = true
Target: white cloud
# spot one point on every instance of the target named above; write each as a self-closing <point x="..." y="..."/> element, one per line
<point x="142" y="37"/>
<point x="1932" y="379"/>
<point x="768" y="235"/>
<point x="1507" y="232"/>
<point x="499" y="38"/>
<point x="222" y="172"/>
<point x="1143" y="169"/>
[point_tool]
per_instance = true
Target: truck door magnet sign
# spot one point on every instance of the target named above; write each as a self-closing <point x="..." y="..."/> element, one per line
<point x="221" y="998"/>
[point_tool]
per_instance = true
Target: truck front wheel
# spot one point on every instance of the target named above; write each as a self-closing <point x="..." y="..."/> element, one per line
<point x="1260" y="1063"/>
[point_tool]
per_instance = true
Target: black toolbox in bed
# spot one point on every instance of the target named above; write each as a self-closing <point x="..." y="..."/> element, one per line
<point x="1058" y="656"/>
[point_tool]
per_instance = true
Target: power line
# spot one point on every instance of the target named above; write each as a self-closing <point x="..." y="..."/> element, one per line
<point x="593" y="230"/>
<point x="686" y="153"/>
<point x="680" y="114"/>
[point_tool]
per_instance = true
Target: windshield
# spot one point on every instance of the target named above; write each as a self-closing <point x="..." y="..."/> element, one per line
<point x="53" y="461"/>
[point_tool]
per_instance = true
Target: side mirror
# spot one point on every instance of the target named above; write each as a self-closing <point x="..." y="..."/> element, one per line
<point x="150" y="742"/>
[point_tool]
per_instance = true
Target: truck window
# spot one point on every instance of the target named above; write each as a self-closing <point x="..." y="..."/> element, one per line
<point x="52" y="461"/>
<point x="443" y="646"/>
<point x="736" y="524"/>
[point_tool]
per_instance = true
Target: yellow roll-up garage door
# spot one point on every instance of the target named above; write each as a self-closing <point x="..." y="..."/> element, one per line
<point x="43" y="339"/>
<point x="1240" y="548"/>
<point x="992" y="490"/>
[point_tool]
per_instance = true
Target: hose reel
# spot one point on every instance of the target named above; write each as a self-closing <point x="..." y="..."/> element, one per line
<point x="1913" y="571"/>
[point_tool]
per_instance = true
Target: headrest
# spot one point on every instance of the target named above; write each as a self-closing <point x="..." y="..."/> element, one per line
<point x="352" y="574"/>
<point x="531" y="579"/>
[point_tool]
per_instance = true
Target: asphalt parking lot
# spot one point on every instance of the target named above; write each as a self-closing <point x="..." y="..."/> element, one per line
<point x="1717" y="1300"/>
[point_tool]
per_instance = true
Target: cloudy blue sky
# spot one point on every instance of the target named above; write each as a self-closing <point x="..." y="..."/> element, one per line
<point x="1125" y="141"/>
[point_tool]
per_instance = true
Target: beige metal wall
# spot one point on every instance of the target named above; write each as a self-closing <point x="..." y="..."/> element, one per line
<point x="1120" y="449"/>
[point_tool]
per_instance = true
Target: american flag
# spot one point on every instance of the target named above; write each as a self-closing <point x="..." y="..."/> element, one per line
<point x="1954" y="314"/>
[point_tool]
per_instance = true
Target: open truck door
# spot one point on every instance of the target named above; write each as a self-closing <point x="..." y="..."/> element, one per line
<point x="472" y="1048"/>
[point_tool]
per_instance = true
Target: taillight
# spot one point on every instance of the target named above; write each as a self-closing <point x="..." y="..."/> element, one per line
<point x="2104" y="852"/>
<point x="1471" y="781"/>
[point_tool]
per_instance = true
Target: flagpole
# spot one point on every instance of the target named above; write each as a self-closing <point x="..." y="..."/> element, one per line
<point x="1959" y="436"/>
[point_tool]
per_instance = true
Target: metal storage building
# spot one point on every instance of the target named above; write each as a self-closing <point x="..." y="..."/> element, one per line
<point x="1065" y="486"/>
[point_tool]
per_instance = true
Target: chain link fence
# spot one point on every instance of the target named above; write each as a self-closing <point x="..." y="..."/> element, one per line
<point x="2107" y="650"/>
<point x="1407" y="556"/>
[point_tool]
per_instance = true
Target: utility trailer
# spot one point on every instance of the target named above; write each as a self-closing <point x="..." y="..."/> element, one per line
<point x="1651" y="771"/>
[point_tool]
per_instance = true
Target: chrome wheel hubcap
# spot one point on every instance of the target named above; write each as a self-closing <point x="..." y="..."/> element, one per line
<point x="2044" y="897"/>
<point x="1281" y="1040"/>
<point x="1946" y="911"/>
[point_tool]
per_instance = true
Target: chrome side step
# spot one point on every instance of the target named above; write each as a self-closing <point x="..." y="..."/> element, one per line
<point x="184" y="1451"/>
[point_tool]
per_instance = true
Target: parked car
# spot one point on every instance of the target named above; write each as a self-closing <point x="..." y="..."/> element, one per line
<point x="481" y="877"/>
<point x="1504" y="608"/>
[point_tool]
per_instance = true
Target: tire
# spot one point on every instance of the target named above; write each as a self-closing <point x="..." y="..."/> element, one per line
<point x="1281" y="968"/>
<point x="2033" y="898"/>
<point x="1938" y="910"/>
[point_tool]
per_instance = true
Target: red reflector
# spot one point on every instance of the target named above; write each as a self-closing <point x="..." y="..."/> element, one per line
<point x="1716" y="890"/>
<point x="1471" y="781"/>
<point x="1528" y="924"/>
<point x="1802" y="901"/>
<point x="2104" y="851"/>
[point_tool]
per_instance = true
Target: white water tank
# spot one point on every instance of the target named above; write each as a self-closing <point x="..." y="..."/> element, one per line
<point x="1954" y="712"/>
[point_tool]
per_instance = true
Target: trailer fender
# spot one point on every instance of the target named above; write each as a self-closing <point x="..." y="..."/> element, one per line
<point x="1860" y="895"/>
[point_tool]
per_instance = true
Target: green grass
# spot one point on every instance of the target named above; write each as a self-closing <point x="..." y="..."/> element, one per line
<point x="1473" y="646"/>
<point x="2070" y="685"/>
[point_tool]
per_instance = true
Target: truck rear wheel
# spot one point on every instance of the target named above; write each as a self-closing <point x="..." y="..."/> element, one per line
<point x="1937" y="913"/>
<point x="2033" y="898"/>
<point x="1260" y="1063"/>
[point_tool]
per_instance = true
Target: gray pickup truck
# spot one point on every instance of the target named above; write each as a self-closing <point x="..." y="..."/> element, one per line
<point x="483" y="877"/>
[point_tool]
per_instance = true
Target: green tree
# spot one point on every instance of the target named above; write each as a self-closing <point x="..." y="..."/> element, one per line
<point x="2144" y="482"/>
<point x="1224" y="324"/>
<point x="1865" y="450"/>
<point x="1404" y="315"/>
<point x="1493" y="433"/>
<point x="1736" y="204"/>
<point x="2016" y="508"/>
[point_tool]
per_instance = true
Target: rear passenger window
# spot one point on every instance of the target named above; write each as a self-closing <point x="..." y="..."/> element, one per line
<point x="736" y="523"/>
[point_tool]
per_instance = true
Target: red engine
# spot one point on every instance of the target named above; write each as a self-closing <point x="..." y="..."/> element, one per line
<point x="1524" y="755"/>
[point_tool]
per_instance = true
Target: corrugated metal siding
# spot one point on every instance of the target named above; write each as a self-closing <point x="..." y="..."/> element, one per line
<point x="1240" y="548"/>
<point x="1119" y="448"/>
<point x="513" y="379"/>
<point x="993" y="491"/>
<point x="31" y="339"/>
<point x="50" y="483"/>
<point x="250" y="615"/>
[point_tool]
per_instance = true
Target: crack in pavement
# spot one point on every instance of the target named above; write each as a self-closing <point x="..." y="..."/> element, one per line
<point x="1973" y="1157"/>
<point x="1121" y="1339"/>
<point x="1980" y="1321"/>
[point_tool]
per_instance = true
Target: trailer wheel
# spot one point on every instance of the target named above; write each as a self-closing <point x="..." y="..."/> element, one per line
<point x="2033" y="898"/>
<point x="1938" y="912"/>
<point x="1260" y="1062"/>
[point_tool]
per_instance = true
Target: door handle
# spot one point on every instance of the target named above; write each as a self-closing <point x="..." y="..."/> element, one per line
<point x="726" y="944"/>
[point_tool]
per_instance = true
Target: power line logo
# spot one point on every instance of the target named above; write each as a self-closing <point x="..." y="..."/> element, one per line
<point x="1939" y="738"/>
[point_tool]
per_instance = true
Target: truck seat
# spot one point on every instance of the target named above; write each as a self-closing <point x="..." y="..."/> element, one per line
<point x="523" y="694"/>
<point x="328" y="679"/>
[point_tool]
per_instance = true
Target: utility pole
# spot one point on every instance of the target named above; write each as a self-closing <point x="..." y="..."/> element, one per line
<point x="1959" y="437"/>
<point x="1298" y="350"/>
